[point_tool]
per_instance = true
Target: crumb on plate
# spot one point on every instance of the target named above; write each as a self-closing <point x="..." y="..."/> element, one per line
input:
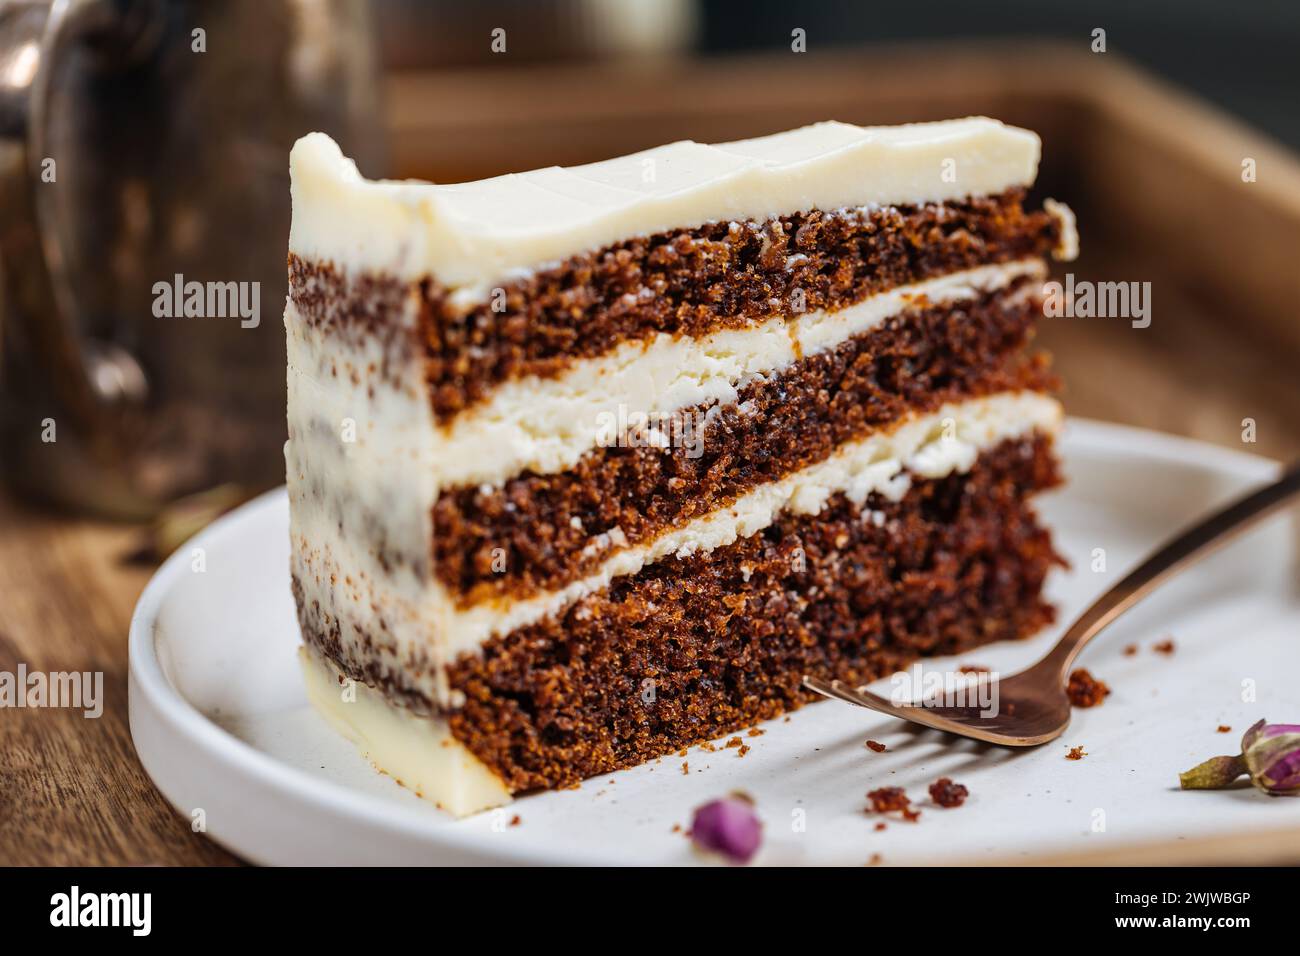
<point x="1084" y="690"/>
<point x="948" y="794"/>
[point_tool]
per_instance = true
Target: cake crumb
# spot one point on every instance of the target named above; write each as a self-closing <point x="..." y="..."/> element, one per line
<point x="1164" y="647"/>
<point x="893" y="799"/>
<point x="708" y="747"/>
<point x="1084" y="690"/>
<point x="1076" y="753"/>
<point x="686" y="767"/>
<point x="881" y="826"/>
<point x="677" y="828"/>
<point x="735" y="742"/>
<point x="972" y="669"/>
<point x="744" y="749"/>
<point x="1131" y="650"/>
<point x="1224" y="729"/>
<point x="875" y="859"/>
<point x="877" y="746"/>
<point x="756" y="731"/>
<point x="516" y="820"/>
<point x="948" y="794"/>
<point x="887" y="799"/>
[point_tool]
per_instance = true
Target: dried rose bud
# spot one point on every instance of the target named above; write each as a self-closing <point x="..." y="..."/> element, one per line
<point x="1270" y="753"/>
<point x="728" y="826"/>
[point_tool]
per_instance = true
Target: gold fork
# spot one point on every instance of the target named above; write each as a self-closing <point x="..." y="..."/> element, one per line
<point x="1031" y="706"/>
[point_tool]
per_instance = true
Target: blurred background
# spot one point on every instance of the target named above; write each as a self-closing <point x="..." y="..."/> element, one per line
<point x="144" y="140"/>
<point x="1236" y="55"/>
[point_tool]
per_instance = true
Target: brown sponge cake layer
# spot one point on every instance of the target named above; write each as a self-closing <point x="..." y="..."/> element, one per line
<point x="538" y="532"/>
<point x="689" y="282"/>
<point x="690" y="649"/>
<point x="721" y="275"/>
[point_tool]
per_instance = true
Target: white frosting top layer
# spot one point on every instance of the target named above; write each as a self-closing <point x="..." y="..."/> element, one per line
<point x="470" y="235"/>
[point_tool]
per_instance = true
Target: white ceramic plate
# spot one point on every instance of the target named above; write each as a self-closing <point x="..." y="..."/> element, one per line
<point x="220" y="719"/>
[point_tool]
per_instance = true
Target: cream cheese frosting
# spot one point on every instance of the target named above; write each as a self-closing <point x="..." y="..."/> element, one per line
<point x="417" y="751"/>
<point x="472" y="235"/>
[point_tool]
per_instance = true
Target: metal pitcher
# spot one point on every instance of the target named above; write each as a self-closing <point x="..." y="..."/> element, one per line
<point x="144" y="218"/>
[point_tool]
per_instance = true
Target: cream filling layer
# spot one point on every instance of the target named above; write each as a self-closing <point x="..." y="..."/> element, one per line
<point x="547" y="425"/>
<point x="471" y="235"/>
<point x="419" y="752"/>
<point x="931" y="446"/>
<point x="359" y="467"/>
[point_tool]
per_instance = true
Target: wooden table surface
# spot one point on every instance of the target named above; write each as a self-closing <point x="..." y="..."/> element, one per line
<point x="71" y="788"/>
<point x="73" y="792"/>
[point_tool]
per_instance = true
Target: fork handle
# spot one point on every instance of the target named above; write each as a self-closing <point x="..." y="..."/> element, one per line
<point x="1184" y="549"/>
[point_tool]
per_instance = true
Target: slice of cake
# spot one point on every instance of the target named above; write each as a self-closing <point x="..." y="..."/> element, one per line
<point x="587" y="465"/>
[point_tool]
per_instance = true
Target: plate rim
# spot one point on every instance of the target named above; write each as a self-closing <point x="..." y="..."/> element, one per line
<point x="183" y="725"/>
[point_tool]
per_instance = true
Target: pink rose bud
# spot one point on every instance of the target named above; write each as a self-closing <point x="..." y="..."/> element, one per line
<point x="1270" y="753"/>
<point x="728" y="826"/>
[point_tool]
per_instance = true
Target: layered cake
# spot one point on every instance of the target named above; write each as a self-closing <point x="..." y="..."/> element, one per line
<point x="587" y="465"/>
